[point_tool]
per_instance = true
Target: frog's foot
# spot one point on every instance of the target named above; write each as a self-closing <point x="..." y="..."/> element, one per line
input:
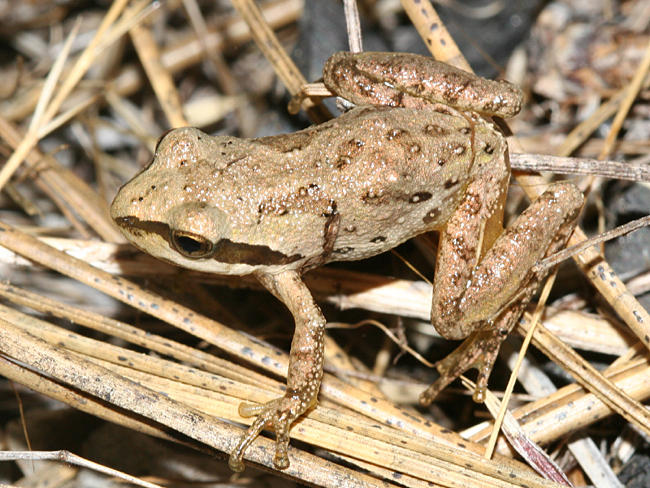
<point x="479" y="351"/>
<point x="278" y="414"/>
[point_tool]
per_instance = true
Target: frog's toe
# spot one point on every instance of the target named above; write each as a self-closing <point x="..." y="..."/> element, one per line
<point x="277" y="414"/>
<point x="430" y="394"/>
<point x="281" y="457"/>
<point x="235" y="462"/>
<point x="478" y="351"/>
<point x="252" y="409"/>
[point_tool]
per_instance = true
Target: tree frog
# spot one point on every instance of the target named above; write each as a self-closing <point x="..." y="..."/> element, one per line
<point x="416" y="154"/>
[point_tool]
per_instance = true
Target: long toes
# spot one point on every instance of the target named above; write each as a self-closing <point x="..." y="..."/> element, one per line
<point x="252" y="409"/>
<point x="281" y="458"/>
<point x="235" y="461"/>
<point x="478" y="351"/>
<point x="428" y="395"/>
<point x="278" y="414"/>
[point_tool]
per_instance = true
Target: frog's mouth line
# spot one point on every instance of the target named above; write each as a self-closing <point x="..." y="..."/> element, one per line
<point x="224" y="250"/>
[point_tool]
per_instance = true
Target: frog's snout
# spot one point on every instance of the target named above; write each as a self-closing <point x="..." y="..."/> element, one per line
<point x="119" y="205"/>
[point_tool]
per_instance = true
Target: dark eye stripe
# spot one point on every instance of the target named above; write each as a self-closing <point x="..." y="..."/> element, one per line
<point x="223" y="251"/>
<point x="227" y="251"/>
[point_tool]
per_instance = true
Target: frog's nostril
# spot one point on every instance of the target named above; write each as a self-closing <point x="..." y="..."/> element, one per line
<point x="125" y="222"/>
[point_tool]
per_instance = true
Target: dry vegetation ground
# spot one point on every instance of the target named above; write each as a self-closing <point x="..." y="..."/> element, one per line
<point x="155" y="357"/>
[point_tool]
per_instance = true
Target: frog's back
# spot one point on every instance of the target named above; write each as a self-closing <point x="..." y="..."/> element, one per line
<point x="345" y="190"/>
<point x="356" y="186"/>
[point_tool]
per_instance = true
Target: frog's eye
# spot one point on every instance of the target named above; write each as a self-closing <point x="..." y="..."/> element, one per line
<point x="191" y="245"/>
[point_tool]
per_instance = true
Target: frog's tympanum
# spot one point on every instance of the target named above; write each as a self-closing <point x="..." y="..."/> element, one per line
<point x="416" y="154"/>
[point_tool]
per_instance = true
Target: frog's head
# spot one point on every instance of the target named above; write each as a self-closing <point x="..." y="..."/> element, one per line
<point x="185" y="234"/>
<point x="162" y="212"/>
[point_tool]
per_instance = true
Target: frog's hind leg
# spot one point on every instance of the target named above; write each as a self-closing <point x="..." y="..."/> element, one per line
<point x="497" y="290"/>
<point x="479" y="351"/>
<point x="304" y="375"/>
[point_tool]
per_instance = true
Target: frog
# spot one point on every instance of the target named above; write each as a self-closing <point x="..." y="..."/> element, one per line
<point x="419" y="152"/>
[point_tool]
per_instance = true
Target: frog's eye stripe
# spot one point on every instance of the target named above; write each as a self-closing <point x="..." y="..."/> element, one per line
<point x="191" y="245"/>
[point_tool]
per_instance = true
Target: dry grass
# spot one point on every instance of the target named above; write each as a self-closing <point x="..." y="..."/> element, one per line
<point x="186" y="390"/>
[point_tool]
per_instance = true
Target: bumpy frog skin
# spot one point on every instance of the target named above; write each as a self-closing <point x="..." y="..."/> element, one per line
<point x="415" y="155"/>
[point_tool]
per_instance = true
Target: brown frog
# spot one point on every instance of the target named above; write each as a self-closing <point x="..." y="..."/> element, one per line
<point x="415" y="155"/>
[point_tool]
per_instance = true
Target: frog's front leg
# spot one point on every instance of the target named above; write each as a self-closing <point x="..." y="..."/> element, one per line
<point x="483" y="296"/>
<point x="305" y="369"/>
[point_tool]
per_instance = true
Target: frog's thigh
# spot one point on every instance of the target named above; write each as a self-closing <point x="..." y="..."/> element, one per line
<point x="504" y="274"/>
<point x="305" y="368"/>
<point x="459" y="248"/>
